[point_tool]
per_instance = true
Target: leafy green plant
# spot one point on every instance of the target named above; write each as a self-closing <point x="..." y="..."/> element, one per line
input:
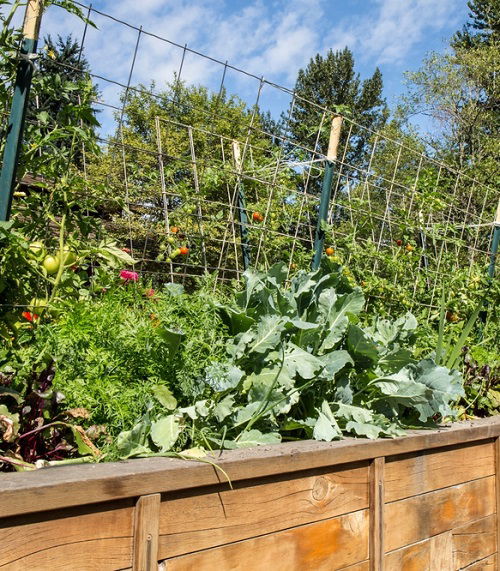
<point x="481" y="384"/>
<point x="299" y="365"/>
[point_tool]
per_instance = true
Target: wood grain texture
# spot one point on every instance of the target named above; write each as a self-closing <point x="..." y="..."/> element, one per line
<point x="363" y="566"/>
<point x="474" y="541"/>
<point x="257" y="507"/>
<point x="146" y="523"/>
<point x="324" y="546"/>
<point x="434" y="554"/>
<point x="69" y="539"/>
<point x="64" y="486"/>
<point x="487" y="564"/>
<point x="497" y="489"/>
<point x="414" y="519"/>
<point x="377" y="469"/>
<point x="441" y="552"/>
<point x="422" y="472"/>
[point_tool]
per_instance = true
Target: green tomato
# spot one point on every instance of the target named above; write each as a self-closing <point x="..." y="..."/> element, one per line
<point x="51" y="264"/>
<point x="170" y="239"/>
<point x="69" y="256"/>
<point x="175" y="253"/>
<point x="37" y="249"/>
<point x="37" y="305"/>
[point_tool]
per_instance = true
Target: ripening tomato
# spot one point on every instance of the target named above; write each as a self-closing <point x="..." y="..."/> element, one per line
<point x="184" y="251"/>
<point x="399" y="242"/>
<point x="29" y="316"/>
<point x="409" y="248"/>
<point x="330" y="251"/>
<point x="174" y="229"/>
<point x="257" y="217"/>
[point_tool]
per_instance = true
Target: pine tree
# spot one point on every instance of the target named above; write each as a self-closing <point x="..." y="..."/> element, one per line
<point x="331" y="82"/>
<point x="62" y="96"/>
<point x="62" y="69"/>
<point x="484" y="27"/>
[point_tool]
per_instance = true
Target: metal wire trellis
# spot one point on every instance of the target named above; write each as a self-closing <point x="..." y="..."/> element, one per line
<point x="397" y="215"/>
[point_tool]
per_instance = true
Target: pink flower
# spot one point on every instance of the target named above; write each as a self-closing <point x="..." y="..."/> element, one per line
<point x="129" y="276"/>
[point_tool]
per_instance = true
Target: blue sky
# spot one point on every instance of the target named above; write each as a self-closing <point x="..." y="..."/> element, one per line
<point x="273" y="38"/>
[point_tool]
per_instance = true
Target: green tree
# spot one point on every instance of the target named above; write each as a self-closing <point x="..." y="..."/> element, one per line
<point x="332" y="83"/>
<point x="460" y="91"/>
<point x="484" y="27"/>
<point x="62" y="97"/>
<point x="192" y="184"/>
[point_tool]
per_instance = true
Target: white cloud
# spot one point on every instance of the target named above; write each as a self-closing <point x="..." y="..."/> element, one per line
<point x="388" y="34"/>
<point x="270" y="38"/>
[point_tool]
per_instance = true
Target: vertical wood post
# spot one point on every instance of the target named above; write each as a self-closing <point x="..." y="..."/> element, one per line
<point x="377" y="514"/>
<point x="241" y="208"/>
<point x="19" y="106"/>
<point x="497" y="491"/>
<point x="146" y="531"/>
<point x="326" y="190"/>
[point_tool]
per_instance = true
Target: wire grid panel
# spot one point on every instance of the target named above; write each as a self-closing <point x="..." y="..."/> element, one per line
<point x="386" y="217"/>
<point x="208" y="172"/>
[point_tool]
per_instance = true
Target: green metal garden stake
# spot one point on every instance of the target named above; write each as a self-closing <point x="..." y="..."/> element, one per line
<point x="494" y="244"/>
<point x="15" y="128"/>
<point x="326" y="191"/>
<point x="242" y="212"/>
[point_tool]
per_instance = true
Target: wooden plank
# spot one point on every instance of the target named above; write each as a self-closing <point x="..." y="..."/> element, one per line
<point x="81" y="538"/>
<point x="441" y="552"/>
<point x="414" y="519"/>
<point x="422" y="472"/>
<point x="497" y="489"/>
<point x="377" y="514"/>
<point x="256" y="507"/>
<point x="487" y="564"/>
<point x="474" y="541"/>
<point x="146" y="525"/>
<point x="64" y="486"/>
<point x="434" y="554"/>
<point x="363" y="566"/>
<point x="323" y="546"/>
<point x="414" y="557"/>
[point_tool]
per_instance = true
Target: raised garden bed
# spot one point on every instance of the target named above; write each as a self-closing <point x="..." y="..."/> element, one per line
<point x="425" y="501"/>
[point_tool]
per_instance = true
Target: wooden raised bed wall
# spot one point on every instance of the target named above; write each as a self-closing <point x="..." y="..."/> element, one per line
<point x="428" y="501"/>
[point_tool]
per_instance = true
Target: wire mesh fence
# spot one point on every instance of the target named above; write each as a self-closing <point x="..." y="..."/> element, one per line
<point x="197" y="179"/>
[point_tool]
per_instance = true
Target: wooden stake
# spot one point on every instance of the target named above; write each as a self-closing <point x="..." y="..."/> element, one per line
<point x="146" y="530"/>
<point x="377" y="514"/>
<point x="333" y="143"/>
<point x="497" y="490"/>
<point x="32" y="19"/>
